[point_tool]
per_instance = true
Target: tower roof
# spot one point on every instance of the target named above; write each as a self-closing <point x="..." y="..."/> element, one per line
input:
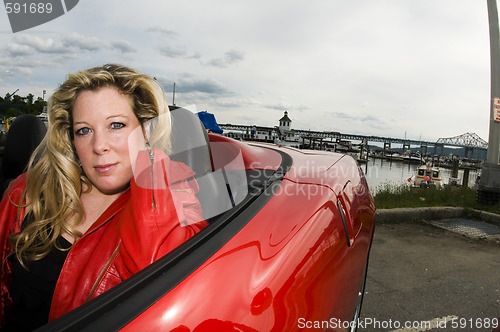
<point x="285" y="117"/>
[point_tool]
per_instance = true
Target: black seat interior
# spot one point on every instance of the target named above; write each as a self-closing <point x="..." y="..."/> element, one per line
<point x="24" y="135"/>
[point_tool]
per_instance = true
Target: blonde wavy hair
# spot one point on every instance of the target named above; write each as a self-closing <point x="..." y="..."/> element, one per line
<point x="54" y="176"/>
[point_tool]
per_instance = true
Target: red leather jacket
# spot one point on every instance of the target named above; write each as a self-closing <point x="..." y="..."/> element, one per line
<point x="144" y="223"/>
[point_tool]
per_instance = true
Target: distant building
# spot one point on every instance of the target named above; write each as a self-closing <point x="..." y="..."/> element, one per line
<point x="285" y="124"/>
<point x="281" y="134"/>
<point x="266" y="134"/>
<point x="286" y="136"/>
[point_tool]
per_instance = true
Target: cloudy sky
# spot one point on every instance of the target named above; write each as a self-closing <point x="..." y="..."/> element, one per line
<point x="372" y="67"/>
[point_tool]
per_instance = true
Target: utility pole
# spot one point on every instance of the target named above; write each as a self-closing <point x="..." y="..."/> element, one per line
<point x="489" y="184"/>
<point x="173" y="96"/>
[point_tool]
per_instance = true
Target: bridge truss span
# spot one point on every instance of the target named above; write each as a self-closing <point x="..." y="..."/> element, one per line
<point x="467" y="140"/>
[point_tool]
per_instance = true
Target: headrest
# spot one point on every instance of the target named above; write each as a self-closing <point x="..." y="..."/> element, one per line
<point x="24" y="135"/>
<point x="190" y="143"/>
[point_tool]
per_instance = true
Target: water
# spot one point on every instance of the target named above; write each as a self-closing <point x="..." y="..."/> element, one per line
<point x="381" y="172"/>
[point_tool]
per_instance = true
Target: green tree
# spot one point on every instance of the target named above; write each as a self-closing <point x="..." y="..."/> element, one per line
<point x="20" y="105"/>
<point x="29" y="99"/>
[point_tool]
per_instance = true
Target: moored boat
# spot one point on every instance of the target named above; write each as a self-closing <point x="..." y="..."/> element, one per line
<point x="394" y="156"/>
<point x="426" y="176"/>
<point x="412" y="158"/>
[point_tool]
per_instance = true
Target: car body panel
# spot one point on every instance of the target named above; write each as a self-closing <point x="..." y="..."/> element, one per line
<point x="293" y="260"/>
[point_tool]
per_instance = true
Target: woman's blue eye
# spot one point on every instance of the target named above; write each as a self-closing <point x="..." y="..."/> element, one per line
<point x="82" y="131"/>
<point x="117" y="125"/>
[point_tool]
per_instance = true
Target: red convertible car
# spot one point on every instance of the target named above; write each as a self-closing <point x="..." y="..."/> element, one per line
<point x="286" y="249"/>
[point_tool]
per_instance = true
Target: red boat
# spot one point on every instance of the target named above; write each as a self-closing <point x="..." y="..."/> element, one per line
<point x="286" y="249"/>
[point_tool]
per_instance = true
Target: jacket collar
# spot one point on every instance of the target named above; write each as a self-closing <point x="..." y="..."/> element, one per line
<point x="109" y="213"/>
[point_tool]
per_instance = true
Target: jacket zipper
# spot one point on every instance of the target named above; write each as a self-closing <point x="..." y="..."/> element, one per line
<point x="152" y="157"/>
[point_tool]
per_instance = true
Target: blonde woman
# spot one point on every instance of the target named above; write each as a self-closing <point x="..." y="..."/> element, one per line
<point x="78" y="222"/>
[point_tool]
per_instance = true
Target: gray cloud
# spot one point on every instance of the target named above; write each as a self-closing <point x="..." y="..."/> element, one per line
<point x="209" y="86"/>
<point x="83" y="43"/>
<point x="173" y="51"/>
<point x="162" y="32"/>
<point x="30" y="55"/>
<point x="187" y="83"/>
<point x="227" y="104"/>
<point x="229" y="58"/>
<point x="16" y="50"/>
<point x="28" y="44"/>
<point x="123" y="46"/>
<point x="279" y="107"/>
<point x="285" y="106"/>
<point x="170" y="49"/>
<point x="11" y="72"/>
<point x="342" y="115"/>
<point x="177" y="52"/>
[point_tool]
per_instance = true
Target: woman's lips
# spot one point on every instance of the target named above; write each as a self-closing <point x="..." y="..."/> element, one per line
<point x="105" y="168"/>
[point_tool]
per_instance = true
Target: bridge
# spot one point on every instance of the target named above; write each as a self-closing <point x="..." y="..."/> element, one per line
<point x="468" y="141"/>
<point x="465" y="140"/>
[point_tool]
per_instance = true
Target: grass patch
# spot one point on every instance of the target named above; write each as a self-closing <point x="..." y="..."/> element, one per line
<point x="389" y="197"/>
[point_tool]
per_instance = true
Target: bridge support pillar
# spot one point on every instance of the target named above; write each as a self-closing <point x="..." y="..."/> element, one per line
<point x="469" y="152"/>
<point x="439" y="149"/>
<point x="406" y="147"/>
<point x="364" y="147"/>
<point x="387" y="146"/>
<point x="423" y="149"/>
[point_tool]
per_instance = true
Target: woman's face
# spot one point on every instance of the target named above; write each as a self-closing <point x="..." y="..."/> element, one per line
<point x="102" y="122"/>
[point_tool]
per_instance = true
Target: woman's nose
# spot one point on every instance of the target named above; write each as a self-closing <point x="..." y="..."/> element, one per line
<point x="100" y="143"/>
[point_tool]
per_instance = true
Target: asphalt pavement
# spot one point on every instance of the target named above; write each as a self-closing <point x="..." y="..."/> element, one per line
<point x="426" y="278"/>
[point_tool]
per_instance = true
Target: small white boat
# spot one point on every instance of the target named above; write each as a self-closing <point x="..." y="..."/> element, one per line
<point x="426" y="176"/>
<point x="394" y="156"/>
<point x="413" y="158"/>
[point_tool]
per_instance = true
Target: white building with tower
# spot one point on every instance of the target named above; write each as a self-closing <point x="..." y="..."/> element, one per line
<point x="286" y="135"/>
